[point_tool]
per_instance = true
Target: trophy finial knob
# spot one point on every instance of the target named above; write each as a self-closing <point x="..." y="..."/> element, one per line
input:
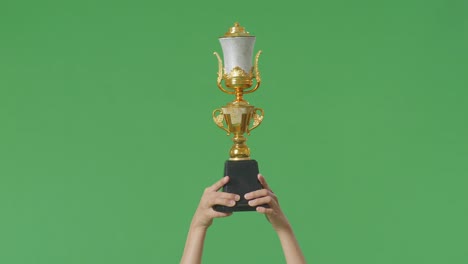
<point x="236" y="31"/>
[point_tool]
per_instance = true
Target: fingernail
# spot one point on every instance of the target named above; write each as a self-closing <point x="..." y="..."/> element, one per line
<point x="237" y="197"/>
<point x="247" y="195"/>
<point x="232" y="203"/>
<point x="250" y="203"/>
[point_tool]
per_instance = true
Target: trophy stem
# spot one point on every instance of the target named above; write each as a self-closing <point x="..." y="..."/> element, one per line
<point x="239" y="151"/>
<point x="239" y="95"/>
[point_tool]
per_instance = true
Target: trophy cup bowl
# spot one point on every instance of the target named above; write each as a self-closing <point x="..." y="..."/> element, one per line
<point x="238" y="117"/>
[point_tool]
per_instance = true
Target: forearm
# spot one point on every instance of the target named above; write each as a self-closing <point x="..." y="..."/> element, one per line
<point x="291" y="249"/>
<point x="194" y="245"/>
<point x="203" y="218"/>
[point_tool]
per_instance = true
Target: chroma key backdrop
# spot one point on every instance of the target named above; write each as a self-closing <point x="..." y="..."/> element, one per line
<point x="107" y="139"/>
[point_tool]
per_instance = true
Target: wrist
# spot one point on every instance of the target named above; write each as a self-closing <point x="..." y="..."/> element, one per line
<point x="284" y="228"/>
<point x="198" y="225"/>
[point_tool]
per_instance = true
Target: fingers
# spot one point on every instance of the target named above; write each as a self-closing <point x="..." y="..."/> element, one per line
<point x="212" y="197"/>
<point x="225" y="195"/>
<point x="263" y="196"/>
<point x="256" y="194"/>
<point x="263" y="181"/>
<point x="263" y="200"/>
<point x="220" y="214"/>
<point x="221" y="198"/>
<point x="215" y="187"/>
<point x="264" y="210"/>
<point x="222" y="201"/>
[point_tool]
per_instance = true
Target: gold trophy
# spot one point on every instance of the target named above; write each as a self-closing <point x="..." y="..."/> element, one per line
<point x="239" y="117"/>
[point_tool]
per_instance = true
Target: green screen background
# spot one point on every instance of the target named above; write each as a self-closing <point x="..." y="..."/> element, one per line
<point x="107" y="140"/>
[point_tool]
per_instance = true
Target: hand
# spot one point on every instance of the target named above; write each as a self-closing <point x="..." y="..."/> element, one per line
<point x="205" y="213"/>
<point x="265" y="196"/>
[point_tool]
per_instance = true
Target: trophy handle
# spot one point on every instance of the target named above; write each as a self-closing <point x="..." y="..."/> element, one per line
<point x="218" y="119"/>
<point x="257" y="119"/>
<point x="220" y="74"/>
<point x="256" y="74"/>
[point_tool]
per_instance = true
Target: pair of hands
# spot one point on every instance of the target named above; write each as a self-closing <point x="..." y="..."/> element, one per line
<point x="205" y="213"/>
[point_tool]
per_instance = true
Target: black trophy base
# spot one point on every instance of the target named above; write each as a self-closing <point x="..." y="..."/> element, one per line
<point x="242" y="179"/>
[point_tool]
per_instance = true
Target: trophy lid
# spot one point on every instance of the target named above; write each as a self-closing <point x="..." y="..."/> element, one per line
<point x="236" y="31"/>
